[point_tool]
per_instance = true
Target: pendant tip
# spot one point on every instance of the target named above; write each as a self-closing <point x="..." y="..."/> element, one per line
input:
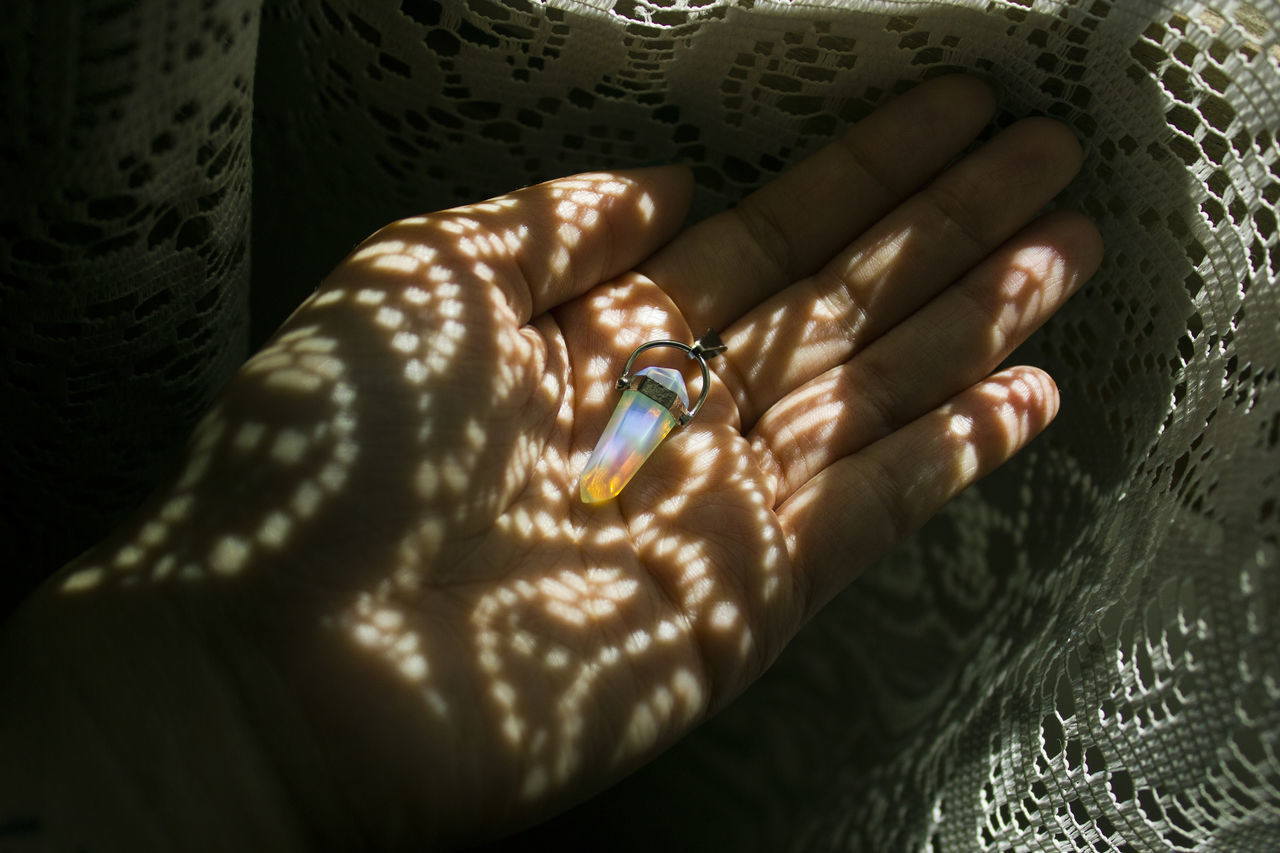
<point x="590" y="491"/>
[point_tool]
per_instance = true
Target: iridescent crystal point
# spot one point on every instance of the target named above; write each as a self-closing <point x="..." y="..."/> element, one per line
<point x="635" y="430"/>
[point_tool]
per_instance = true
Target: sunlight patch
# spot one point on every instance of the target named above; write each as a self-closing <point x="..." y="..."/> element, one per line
<point x="391" y="318"/>
<point x="960" y="426"/>
<point x="307" y="499"/>
<point x="397" y="263"/>
<point x="289" y="447"/>
<point x="333" y="477"/>
<point x="414" y="667"/>
<point x="153" y="533"/>
<point x="275" y="529"/>
<point x="560" y="260"/>
<point x="316" y="344"/>
<point x="344" y="423"/>
<point x="128" y="557"/>
<point x="248" y="436"/>
<point x="405" y="342"/>
<point x="293" y="379"/>
<point x="689" y="690"/>
<point x="535" y="783"/>
<point x="524" y="643"/>
<point x="229" y="555"/>
<point x="415" y="371"/>
<point x="328" y="297"/>
<point x="427" y="481"/>
<point x="382" y="247"/>
<point x="322" y="363"/>
<point x="638" y="642"/>
<point x="83" y="579"/>
<point x="164" y="567"/>
<point x="724" y="615"/>
<point x="343" y="394"/>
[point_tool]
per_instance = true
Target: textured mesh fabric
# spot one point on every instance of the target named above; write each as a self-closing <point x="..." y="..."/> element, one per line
<point x="1082" y="653"/>
<point x="124" y="254"/>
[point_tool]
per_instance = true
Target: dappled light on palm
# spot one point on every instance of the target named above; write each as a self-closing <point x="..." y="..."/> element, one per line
<point x="387" y="495"/>
<point x="303" y="376"/>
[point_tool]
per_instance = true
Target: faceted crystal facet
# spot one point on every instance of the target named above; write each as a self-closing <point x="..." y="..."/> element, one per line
<point x="636" y="428"/>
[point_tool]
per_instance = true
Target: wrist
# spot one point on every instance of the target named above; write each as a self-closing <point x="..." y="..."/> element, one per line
<point x="121" y="729"/>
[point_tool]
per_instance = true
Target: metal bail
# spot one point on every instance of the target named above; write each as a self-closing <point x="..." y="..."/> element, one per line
<point x="707" y="346"/>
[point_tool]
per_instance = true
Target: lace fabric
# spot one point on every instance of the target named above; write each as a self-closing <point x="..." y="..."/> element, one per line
<point x="1081" y="653"/>
<point x="124" y="254"/>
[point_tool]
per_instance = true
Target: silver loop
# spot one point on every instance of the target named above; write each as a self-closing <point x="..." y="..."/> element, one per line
<point x="692" y="353"/>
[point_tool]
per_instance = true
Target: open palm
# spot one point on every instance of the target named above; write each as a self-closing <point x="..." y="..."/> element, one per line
<point x="435" y="637"/>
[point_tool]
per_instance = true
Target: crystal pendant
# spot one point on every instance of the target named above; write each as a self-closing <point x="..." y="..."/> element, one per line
<point x="637" y="427"/>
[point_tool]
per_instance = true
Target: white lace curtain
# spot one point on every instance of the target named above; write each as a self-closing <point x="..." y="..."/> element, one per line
<point x="1082" y="653"/>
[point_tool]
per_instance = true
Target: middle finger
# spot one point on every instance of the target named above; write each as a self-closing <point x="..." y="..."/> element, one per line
<point x="722" y="267"/>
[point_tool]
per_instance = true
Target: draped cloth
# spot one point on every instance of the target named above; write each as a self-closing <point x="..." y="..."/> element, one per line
<point x="1082" y="652"/>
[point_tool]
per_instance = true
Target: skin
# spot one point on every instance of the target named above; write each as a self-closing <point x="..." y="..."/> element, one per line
<point x="370" y="608"/>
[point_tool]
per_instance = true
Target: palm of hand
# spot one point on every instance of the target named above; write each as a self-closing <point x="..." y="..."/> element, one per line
<point x="574" y="640"/>
<point x="398" y="468"/>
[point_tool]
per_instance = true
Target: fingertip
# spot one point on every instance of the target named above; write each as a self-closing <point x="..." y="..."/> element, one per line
<point x="1084" y="248"/>
<point x="1089" y="245"/>
<point x="1039" y="386"/>
<point x="964" y="93"/>
<point x="974" y="89"/>
<point x="1057" y="141"/>
<point x="672" y="183"/>
<point x="1029" y="401"/>
<point x="681" y="173"/>
<point x="1068" y="249"/>
<point x="983" y="92"/>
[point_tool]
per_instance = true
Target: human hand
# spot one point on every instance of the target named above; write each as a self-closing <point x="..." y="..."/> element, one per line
<point x="377" y="534"/>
